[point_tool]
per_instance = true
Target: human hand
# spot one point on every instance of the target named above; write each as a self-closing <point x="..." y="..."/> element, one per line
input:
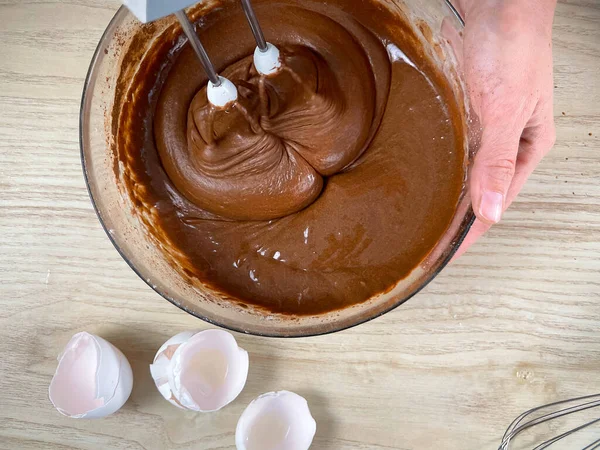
<point x="507" y="51"/>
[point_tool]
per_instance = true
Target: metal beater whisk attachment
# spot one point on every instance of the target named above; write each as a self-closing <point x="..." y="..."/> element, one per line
<point x="220" y="91"/>
<point x="266" y="56"/>
<point x="552" y="411"/>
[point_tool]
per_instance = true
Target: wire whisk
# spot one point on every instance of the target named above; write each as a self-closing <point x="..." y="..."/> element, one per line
<point x="552" y="411"/>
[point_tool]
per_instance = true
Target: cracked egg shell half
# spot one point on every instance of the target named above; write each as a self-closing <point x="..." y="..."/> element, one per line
<point x="200" y="371"/>
<point x="93" y="378"/>
<point x="276" y="421"/>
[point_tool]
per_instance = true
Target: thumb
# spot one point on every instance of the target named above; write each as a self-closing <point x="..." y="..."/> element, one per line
<point x="493" y="170"/>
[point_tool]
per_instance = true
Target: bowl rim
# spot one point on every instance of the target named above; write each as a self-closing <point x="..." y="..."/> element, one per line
<point x="466" y="223"/>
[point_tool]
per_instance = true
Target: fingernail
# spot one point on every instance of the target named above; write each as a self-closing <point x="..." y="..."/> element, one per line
<point x="491" y="206"/>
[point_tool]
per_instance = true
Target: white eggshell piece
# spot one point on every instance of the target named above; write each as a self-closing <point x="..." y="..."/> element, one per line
<point x="200" y="371"/>
<point x="161" y="365"/>
<point x="276" y="421"/>
<point x="93" y="378"/>
<point x="220" y="96"/>
<point x="267" y="62"/>
<point x="168" y="348"/>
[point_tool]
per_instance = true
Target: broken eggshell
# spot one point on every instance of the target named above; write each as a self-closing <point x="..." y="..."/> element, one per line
<point x="276" y="421"/>
<point x="93" y="378"/>
<point x="200" y="371"/>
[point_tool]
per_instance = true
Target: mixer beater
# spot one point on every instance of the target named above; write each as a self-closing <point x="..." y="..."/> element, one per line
<point x="220" y="91"/>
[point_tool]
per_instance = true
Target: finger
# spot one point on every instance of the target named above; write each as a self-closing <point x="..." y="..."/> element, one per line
<point x="536" y="143"/>
<point x="494" y="168"/>
<point x="526" y="162"/>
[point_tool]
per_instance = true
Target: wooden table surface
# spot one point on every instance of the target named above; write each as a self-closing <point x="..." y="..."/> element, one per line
<point x="513" y="324"/>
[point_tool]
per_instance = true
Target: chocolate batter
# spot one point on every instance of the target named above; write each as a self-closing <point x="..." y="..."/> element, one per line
<point x="324" y="184"/>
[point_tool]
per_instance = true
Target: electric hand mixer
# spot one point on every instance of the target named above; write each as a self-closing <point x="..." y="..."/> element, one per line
<point x="220" y="90"/>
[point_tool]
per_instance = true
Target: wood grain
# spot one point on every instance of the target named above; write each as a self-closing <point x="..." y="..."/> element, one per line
<point x="513" y="324"/>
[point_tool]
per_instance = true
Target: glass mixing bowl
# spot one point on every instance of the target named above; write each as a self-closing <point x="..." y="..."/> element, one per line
<point x="437" y="24"/>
